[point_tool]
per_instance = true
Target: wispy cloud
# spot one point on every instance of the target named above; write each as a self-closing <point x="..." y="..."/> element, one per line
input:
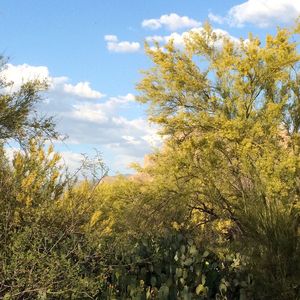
<point x="216" y="18"/>
<point x="111" y="38"/>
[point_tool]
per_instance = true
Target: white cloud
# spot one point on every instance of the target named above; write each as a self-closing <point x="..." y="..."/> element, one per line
<point x="262" y="13"/>
<point x="155" y="38"/>
<point x="104" y="123"/>
<point x="125" y="160"/>
<point x="110" y="38"/>
<point x="148" y="132"/>
<point x="82" y="89"/>
<point x="89" y="112"/>
<point x="216" y="18"/>
<point x="171" y="22"/>
<point x="21" y="74"/>
<point x="127" y="98"/>
<point x="71" y="160"/>
<point x="123" y="46"/>
<point x="152" y="23"/>
<point x="100" y="112"/>
<point x="114" y="45"/>
<point x="163" y="39"/>
<point x="179" y="39"/>
<point x="131" y="139"/>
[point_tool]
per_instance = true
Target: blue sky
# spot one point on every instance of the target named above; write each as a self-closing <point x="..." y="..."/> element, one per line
<point x="92" y="54"/>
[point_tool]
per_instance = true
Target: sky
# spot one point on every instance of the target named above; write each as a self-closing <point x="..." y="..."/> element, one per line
<point x="91" y="53"/>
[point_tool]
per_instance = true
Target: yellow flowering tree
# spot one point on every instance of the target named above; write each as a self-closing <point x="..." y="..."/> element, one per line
<point x="229" y="112"/>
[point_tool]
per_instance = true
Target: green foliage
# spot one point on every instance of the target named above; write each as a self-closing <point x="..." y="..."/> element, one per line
<point x="18" y="118"/>
<point x="214" y="215"/>
<point x="232" y="148"/>
<point x="173" y="267"/>
<point x="43" y="248"/>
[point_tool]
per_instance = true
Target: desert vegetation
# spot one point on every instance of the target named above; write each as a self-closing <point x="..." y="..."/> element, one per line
<point x="215" y="214"/>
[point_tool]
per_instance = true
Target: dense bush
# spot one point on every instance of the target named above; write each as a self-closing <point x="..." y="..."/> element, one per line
<point x="214" y="215"/>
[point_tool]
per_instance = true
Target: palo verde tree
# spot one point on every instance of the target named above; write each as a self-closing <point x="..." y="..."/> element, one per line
<point x="18" y="118"/>
<point x="44" y="251"/>
<point x="229" y="112"/>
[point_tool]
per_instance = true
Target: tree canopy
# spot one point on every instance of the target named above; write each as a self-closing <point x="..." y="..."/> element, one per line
<point x="18" y="117"/>
<point x="230" y="112"/>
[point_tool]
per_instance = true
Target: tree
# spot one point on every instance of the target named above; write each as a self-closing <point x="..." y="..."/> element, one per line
<point x="230" y="114"/>
<point x="44" y="251"/>
<point x="18" y="119"/>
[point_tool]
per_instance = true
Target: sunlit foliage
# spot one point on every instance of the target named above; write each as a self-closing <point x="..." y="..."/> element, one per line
<point x="215" y="213"/>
